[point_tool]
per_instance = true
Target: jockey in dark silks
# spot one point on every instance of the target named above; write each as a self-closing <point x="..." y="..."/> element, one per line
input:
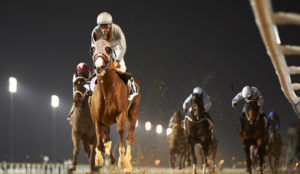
<point x="273" y="120"/>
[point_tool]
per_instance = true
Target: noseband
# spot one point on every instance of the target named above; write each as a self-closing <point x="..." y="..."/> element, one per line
<point x="79" y="92"/>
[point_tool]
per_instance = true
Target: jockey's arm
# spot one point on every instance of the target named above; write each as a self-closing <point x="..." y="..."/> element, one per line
<point x="206" y="102"/>
<point x="237" y="98"/>
<point x="122" y="41"/>
<point x="260" y="99"/>
<point x="187" y="102"/>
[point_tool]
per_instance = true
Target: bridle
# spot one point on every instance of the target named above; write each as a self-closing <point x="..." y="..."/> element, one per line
<point x="79" y="92"/>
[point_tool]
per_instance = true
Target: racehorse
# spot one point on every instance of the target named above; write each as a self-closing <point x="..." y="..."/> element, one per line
<point x="176" y="141"/>
<point x="273" y="148"/>
<point x="253" y="133"/>
<point x="212" y="151"/>
<point x="82" y="125"/>
<point x="108" y="105"/>
<point x="197" y="130"/>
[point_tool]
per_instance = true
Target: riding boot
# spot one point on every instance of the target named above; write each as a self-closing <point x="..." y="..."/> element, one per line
<point x="126" y="76"/>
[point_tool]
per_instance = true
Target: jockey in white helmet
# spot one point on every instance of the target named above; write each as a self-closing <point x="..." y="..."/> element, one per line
<point x="113" y="34"/>
<point x="206" y="100"/>
<point x="249" y="94"/>
<point x="206" y="104"/>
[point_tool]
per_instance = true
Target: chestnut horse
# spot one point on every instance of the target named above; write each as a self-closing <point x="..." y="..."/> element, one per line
<point x="82" y="125"/>
<point x="254" y="133"/>
<point x="109" y="105"/>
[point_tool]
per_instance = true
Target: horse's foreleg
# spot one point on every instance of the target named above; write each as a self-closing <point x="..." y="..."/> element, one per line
<point x="99" y="146"/>
<point x="123" y="162"/>
<point x="92" y="157"/>
<point x="75" y="140"/>
<point x="172" y="159"/>
<point x="262" y="152"/>
<point x="194" y="159"/>
<point x="248" y="159"/>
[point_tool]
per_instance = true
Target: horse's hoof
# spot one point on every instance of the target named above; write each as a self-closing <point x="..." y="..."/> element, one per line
<point x="98" y="160"/>
<point x="72" y="167"/>
<point x="107" y="147"/>
<point x="124" y="163"/>
<point x="128" y="169"/>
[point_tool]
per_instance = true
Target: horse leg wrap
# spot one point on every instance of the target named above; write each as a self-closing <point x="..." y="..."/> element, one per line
<point x="122" y="163"/>
<point x="107" y="147"/>
<point x="98" y="160"/>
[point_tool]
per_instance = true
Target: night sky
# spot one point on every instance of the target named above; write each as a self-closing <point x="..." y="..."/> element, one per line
<point x="171" y="48"/>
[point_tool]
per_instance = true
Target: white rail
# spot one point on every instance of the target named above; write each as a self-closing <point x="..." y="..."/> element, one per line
<point x="267" y="22"/>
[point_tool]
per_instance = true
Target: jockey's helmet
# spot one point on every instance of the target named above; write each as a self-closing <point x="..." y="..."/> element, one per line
<point x="104" y="18"/>
<point x="247" y="92"/>
<point x="82" y="69"/>
<point x="197" y="90"/>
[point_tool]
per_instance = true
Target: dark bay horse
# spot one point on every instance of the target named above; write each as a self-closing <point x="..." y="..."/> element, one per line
<point x="273" y="149"/>
<point x="176" y="141"/>
<point x="82" y="125"/>
<point x="254" y="133"/>
<point x="197" y="130"/>
<point x="212" y="151"/>
<point x="109" y="105"/>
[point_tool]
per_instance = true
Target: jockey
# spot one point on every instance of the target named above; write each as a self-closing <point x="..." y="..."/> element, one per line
<point x="113" y="34"/>
<point x="82" y="70"/>
<point x="273" y="120"/>
<point x="206" y="100"/>
<point x="249" y="94"/>
<point x="206" y="104"/>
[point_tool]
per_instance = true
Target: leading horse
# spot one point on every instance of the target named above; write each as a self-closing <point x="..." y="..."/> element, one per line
<point x="109" y="105"/>
<point x="253" y="133"/>
<point x="197" y="130"/>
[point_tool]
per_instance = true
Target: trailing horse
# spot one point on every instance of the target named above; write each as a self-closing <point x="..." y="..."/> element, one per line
<point x="82" y="125"/>
<point x="108" y="105"/>
<point x="253" y="133"/>
<point x="176" y="141"/>
<point x="273" y="149"/>
<point x="198" y="130"/>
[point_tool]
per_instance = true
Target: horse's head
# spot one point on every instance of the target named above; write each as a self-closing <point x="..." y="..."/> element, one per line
<point x="103" y="55"/>
<point x="79" y="91"/>
<point x="177" y="118"/>
<point x="252" y="111"/>
<point x="197" y="106"/>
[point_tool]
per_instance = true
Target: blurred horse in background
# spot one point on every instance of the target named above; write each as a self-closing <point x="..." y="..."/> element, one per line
<point x="176" y="141"/>
<point x="273" y="149"/>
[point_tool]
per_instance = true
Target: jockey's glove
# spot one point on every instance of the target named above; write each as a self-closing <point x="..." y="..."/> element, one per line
<point x="234" y="105"/>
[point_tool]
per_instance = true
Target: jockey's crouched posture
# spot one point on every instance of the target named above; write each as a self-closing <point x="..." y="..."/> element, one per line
<point x="249" y="94"/>
<point x="113" y="34"/>
<point x="206" y="104"/>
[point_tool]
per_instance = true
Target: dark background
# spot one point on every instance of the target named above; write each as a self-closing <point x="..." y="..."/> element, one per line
<point x="171" y="48"/>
